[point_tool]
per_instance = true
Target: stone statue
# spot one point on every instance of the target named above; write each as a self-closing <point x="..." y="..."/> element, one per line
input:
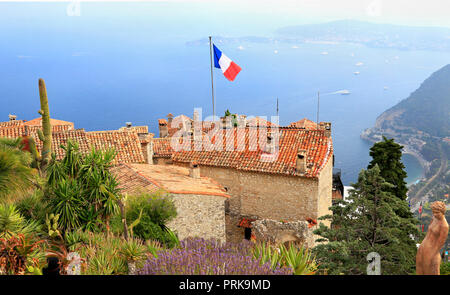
<point x="428" y="259"/>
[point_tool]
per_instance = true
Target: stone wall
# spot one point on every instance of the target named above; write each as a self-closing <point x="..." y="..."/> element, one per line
<point x="234" y="233"/>
<point x="278" y="232"/>
<point x="325" y="191"/>
<point x="199" y="216"/>
<point x="161" y="160"/>
<point x="270" y="196"/>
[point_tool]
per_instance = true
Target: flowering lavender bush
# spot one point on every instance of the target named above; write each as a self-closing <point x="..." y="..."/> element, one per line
<point x="209" y="257"/>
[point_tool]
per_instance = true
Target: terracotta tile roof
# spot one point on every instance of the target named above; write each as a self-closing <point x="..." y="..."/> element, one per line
<point x="304" y="123"/>
<point x="61" y="138"/>
<point x="258" y="121"/>
<point x="11" y="123"/>
<point x="173" y="179"/>
<point x="247" y="155"/>
<point x="53" y="122"/>
<point x="137" y="129"/>
<point x="131" y="182"/>
<point x="161" y="147"/>
<point x="13" y="131"/>
<point x="126" y="144"/>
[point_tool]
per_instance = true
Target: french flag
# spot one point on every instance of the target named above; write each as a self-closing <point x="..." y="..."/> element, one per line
<point x="229" y="68"/>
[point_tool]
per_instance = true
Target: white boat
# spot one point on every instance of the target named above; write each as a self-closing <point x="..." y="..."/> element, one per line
<point x="344" y="92"/>
<point x="385" y="88"/>
<point x="359" y="64"/>
<point x="356" y="73"/>
<point x="324" y="53"/>
<point x="241" y="47"/>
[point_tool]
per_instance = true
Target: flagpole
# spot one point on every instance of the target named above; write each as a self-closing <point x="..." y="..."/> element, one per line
<point x="212" y="77"/>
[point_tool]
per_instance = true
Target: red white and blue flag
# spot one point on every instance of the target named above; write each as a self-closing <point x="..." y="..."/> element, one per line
<point x="229" y="68"/>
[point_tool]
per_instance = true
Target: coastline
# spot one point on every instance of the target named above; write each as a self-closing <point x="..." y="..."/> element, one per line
<point x="406" y="150"/>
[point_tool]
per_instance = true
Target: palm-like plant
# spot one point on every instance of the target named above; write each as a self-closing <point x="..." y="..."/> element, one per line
<point x="66" y="200"/>
<point x="16" y="175"/>
<point x="81" y="188"/>
<point x="134" y="253"/>
<point x="13" y="223"/>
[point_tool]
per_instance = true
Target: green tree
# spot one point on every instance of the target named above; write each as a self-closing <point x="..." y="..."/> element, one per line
<point x="366" y="223"/>
<point x="387" y="154"/>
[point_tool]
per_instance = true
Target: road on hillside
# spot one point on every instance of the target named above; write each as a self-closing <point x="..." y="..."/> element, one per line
<point x="441" y="170"/>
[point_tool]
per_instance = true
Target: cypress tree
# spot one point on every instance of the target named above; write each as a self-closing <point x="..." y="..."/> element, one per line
<point x="387" y="154"/>
<point x="366" y="223"/>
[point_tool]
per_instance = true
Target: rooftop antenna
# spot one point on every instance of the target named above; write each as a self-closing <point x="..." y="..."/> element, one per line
<point x="277" y="107"/>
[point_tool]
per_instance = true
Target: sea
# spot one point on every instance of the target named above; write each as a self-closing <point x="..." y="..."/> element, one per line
<point x="130" y="62"/>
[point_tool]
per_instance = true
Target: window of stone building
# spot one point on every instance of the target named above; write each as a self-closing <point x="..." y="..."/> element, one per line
<point x="247" y="233"/>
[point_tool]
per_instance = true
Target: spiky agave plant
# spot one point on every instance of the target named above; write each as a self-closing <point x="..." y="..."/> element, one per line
<point x="299" y="258"/>
<point x="13" y="223"/>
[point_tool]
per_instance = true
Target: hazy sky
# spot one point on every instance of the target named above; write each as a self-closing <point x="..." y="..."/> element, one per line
<point x="412" y="12"/>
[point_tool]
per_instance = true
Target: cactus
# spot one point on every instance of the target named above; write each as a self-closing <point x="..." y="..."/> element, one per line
<point x="30" y="146"/>
<point x="45" y="135"/>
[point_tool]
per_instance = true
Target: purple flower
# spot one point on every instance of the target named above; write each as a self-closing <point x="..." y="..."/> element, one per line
<point x="209" y="257"/>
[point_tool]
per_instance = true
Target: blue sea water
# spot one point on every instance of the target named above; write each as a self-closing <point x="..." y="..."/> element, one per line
<point x="120" y="62"/>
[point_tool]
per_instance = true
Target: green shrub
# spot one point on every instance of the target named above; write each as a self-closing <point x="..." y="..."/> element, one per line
<point x="445" y="268"/>
<point x="156" y="210"/>
<point x="32" y="207"/>
<point x="106" y="254"/>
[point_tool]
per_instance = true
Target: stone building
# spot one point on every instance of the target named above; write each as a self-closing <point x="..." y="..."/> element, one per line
<point x="295" y="186"/>
<point x="278" y="178"/>
<point x="200" y="201"/>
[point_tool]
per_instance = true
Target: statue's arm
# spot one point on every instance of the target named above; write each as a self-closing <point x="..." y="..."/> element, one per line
<point x="443" y="234"/>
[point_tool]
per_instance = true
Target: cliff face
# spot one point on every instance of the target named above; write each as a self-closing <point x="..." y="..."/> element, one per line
<point x="421" y="123"/>
<point x="424" y="114"/>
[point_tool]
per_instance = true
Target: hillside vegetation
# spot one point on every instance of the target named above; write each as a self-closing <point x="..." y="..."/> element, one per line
<point x="421" y="123"/>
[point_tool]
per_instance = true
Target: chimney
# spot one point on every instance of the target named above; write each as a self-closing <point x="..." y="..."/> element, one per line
<point x="194" y="170"/>
<point x="226" y="122"/>
<point x="196" y="117"/>
<point x="242" y="121"/>
<point x="149" y="147"/>
<point x="169" y="119"/>
<point x="270" y="143"/>
<point x="163" y="129"/>
<point x="12" y="117"/>
<point x="300" y="164"/>
<point x="196" y="126"/>
<point x="128" y="124"/>
<point x="326" y="127"/>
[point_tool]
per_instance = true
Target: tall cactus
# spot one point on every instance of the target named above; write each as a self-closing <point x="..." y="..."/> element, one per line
<point x="46" y="134"/>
